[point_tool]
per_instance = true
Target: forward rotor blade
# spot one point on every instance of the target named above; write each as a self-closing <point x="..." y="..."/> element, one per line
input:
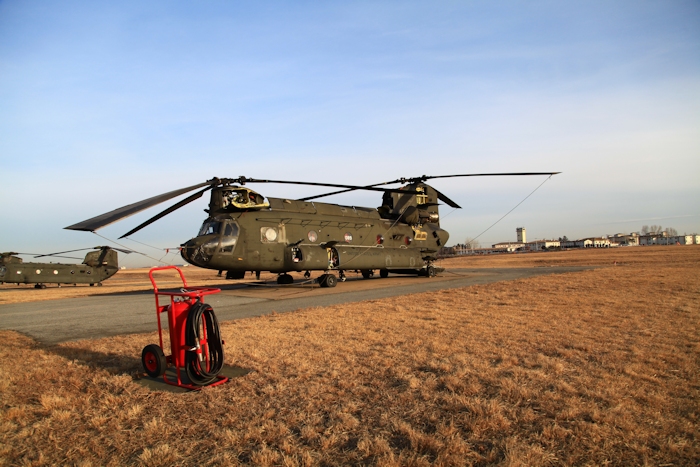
<point x="90" y="225"/>
<point x="244" y="180"/>
<point x="172" y="208"/>
<point x="66" y="257"/>
<point x="337" y="192"/>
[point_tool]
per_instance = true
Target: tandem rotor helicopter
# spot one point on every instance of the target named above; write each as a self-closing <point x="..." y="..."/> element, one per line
<point x="245" y="231"/>
<point x="97" y="266"/>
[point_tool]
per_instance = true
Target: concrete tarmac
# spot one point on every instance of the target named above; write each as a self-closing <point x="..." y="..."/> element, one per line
<point x="55" y="321"/>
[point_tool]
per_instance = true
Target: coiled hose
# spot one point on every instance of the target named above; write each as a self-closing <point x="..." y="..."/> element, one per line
<point x="194" y="361"/>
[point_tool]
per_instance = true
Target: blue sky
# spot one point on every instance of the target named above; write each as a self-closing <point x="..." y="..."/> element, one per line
<point x="103" y="104"/>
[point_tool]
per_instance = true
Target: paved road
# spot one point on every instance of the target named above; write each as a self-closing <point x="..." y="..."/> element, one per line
<point x="55" y="321"/>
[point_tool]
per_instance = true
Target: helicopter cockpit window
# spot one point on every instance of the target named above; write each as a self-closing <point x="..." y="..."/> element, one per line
<point x="210" y="227"/>
<point x="229" y="237"/>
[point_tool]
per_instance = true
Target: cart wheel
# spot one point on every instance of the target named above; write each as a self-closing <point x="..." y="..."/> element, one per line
<point x="153" y="360"/>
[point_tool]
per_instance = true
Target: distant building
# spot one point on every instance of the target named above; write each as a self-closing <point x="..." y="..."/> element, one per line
<point x="521" y="235"/>
<point x="543" y="245"/>
<point x="508" y="246"/>
<point x="625" y="240"/>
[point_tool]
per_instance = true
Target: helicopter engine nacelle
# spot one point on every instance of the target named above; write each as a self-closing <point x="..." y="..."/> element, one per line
<point x="414" y="216"/>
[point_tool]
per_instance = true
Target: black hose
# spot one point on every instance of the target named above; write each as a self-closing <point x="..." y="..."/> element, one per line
<point x="199" y="375"/>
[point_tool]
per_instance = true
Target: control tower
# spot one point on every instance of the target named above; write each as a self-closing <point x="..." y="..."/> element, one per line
<point x="521" y="235"/>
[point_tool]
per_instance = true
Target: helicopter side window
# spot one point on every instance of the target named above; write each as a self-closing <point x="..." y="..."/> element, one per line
<point x="229" y="238"/>
<point x="210" y="228"/>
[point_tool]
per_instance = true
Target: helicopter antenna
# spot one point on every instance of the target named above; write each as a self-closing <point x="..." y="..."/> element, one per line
<point x="521" y="202"/>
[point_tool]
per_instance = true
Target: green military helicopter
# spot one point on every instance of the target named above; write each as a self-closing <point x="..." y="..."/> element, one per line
<point x="96" y="267"/>
<point x="245" y="231"/>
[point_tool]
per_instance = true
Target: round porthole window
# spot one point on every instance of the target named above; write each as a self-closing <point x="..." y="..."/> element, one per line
<point x="313" y="236"/>
<point x="55" y="271"/>
<point x="270" y="235"/>
<point x="38" y="271"/>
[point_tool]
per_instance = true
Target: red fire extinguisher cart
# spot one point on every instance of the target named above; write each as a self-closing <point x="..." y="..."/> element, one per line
<point x="195" y="343"/>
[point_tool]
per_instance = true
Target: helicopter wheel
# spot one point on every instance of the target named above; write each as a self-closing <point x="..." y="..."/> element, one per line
<point x="284" y="279"/>
<point x="327" y="280"/>
<point x="367" y="273"/>
<point x="383" y="273"/>
<point x="430" y="271"/>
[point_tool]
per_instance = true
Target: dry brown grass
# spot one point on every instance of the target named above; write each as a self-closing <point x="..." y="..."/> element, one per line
<point x="591" y="368"/>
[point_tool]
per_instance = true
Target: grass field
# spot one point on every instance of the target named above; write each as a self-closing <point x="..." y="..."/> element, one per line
<point x="592" y="368"/>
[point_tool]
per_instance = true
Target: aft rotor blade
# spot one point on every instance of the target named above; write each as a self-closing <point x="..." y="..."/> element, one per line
<point x="61" y="252"/>
<point x="172" y="208"/>
<point x="447" y="200"/>
<point x="423" y="178"/>
<point x="90" y="225"/>
<point x="121" y="250"/>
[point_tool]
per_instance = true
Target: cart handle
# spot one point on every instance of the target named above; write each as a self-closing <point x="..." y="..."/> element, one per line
<point x="186" y="291"/>
<point x="162" y="268"/>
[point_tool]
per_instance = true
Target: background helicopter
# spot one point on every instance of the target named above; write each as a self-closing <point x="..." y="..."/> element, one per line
<point x="245" y="231"/>
<point x="96" y="267"/>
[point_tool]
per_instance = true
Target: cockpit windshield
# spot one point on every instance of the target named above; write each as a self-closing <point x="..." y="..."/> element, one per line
<point x="210" y="227"/>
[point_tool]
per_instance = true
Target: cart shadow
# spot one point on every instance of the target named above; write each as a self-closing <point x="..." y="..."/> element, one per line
<point x="113" y="363"/>
<point x="119" y="365"/>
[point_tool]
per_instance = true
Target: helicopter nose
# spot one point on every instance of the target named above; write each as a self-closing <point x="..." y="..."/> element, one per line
<point x="186" y="251"/>
<point x="189" y="250"/>
<point x="197" y="252"/>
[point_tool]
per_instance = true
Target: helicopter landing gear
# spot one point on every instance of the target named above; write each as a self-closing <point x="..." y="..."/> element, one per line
<point x="41" y="286"/>
<point x="383" y="273"/>
<point x="342" y="276"/>
<point x="307" y="274"/>
<point x="367" y="273"/>
<point x="284" y="279"/>
<point x="327" y="280"/>
<point x="430" y="271"/>
<point x="257" y="275"/>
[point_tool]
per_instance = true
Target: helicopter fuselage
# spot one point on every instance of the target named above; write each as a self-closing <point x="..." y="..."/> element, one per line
<point x="97" y="266"/>
<point x="285" y="235"/>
